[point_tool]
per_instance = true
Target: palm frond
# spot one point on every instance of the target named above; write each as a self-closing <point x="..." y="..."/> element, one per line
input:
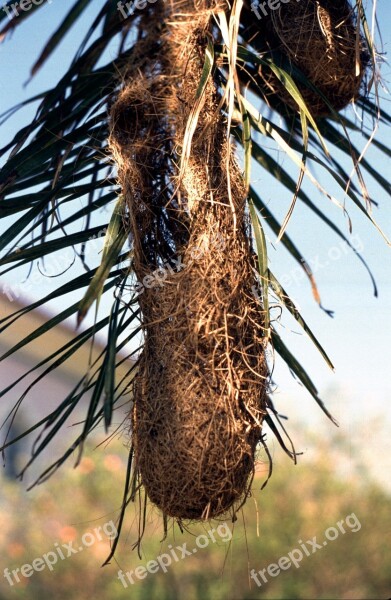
<point x="59" y="163"/>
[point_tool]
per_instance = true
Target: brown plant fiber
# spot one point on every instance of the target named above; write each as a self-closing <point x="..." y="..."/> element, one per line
<point x="200" y="391"/>
<point x="322" y="39"/>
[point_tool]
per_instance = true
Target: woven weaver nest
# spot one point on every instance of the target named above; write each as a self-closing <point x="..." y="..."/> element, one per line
<point x="321" y="38"/>
<point x="200" y="390"/>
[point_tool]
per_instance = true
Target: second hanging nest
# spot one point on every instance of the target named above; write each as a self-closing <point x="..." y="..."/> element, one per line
<point x="322" y="39"/>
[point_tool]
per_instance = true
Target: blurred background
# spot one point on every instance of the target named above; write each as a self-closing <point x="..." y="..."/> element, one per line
<point x="299" y="503"/>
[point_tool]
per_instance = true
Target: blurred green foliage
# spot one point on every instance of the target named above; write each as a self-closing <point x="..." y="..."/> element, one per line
<point x="297" y="504"/>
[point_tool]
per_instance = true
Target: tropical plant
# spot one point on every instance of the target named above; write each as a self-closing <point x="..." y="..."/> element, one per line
<point x="58" y="176"/>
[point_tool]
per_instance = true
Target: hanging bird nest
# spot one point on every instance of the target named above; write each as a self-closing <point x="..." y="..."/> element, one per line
<point x="322" y="39"/>
<point x="200" y="391"/>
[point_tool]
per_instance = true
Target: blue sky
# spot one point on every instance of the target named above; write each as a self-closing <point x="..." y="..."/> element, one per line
<point x="358" y="338"/>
